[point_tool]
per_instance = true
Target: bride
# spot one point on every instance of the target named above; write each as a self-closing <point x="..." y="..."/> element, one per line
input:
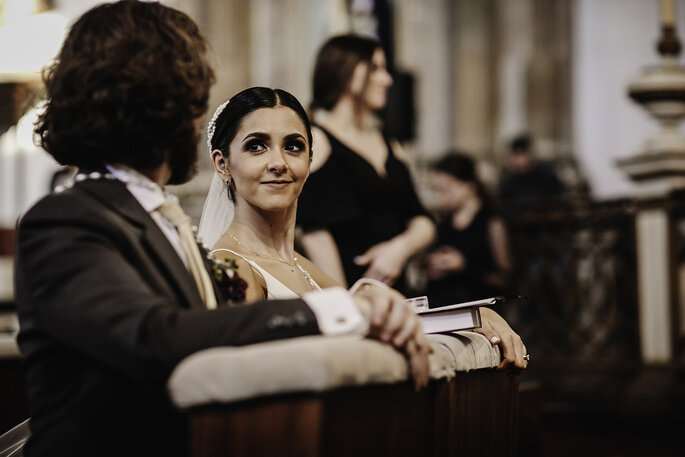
<point x="260" y="143"/>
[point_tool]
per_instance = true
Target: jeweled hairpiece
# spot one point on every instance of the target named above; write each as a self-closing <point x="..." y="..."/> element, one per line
<point x="211" y="127"/>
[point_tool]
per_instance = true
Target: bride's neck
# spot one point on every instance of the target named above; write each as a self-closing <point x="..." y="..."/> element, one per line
<point x="268" y="233"/>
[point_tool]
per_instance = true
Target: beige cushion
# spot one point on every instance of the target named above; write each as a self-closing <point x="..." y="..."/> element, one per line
<point x="466" y="351"/>
<point x="314" y="364"/>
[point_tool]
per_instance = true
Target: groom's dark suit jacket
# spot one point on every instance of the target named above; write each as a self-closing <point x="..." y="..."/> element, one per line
<point x="107" y="309"/>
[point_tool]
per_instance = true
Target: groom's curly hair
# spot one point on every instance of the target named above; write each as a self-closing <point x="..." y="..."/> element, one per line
<point x="127" y="86"/>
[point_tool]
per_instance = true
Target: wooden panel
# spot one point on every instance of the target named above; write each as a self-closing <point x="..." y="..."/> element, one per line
<point x="481" y="416"/>
<point x="287" y="426"/>
<point x="377" y="420"/>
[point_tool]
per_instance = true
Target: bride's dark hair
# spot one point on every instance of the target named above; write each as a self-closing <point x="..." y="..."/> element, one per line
<point x="228" y="121"/>
<point x="247" y="101"/>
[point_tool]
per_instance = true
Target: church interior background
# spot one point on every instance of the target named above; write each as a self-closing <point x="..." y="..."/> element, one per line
<point x="603" y="268"/>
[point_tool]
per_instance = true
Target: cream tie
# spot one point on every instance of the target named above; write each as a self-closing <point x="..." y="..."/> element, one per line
<point x="173" y="212"/>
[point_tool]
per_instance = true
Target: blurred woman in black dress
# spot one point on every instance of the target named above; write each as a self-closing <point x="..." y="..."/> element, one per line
<point x="359" y="210"/>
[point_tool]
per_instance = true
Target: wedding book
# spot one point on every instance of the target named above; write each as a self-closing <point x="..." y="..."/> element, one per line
<point x="450" y="318"/>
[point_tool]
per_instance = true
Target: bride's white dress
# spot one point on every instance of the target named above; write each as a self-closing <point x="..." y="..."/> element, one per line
<point x="275" y="289"/>
<point x="217" y="215"/>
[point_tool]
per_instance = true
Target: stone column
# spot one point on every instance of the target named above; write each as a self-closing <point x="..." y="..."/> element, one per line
<point x="226" y="26"/>
<point x="654" y="284"/>
<point x="657" y="171"/>
<point x="284" y="39"/>
<point x="426" y="48"/>
<point x="474" y="76"/>
<point x="515" y="53"/>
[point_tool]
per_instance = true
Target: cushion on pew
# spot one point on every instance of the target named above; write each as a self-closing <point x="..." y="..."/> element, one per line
<point x="314" y="364"/>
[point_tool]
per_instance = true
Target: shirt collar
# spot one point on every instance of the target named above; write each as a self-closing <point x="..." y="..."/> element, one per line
<point x="147" y="192"/>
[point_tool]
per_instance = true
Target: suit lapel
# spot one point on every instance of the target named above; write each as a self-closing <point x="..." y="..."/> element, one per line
<point x="114" y="194"/>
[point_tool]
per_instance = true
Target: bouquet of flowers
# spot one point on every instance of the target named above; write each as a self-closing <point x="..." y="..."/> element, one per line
<point x="231" y="285"/>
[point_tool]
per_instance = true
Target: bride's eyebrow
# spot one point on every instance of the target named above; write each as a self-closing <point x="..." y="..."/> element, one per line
<point x="294" y="136"/>
<point x="258" y="135"/>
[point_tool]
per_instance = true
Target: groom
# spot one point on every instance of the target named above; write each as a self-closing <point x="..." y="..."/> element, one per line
<point x="109" y="296"/>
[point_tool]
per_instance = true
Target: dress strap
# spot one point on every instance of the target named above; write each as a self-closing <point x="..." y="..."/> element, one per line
<point x="274" y="288"/>
<point x="232" y="252"/>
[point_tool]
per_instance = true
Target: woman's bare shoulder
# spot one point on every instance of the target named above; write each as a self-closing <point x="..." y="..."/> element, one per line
<point x="321" y="148"/>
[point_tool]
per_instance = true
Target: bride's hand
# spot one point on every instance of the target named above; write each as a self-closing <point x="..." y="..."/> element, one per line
<point x="498" y="331"/>
<point x="392" y="321"/>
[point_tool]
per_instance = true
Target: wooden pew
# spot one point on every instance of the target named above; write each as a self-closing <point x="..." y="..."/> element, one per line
<point x="366" y="407"/>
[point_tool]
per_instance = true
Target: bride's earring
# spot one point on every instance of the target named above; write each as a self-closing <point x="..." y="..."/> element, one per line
<point x="227" y="180"/>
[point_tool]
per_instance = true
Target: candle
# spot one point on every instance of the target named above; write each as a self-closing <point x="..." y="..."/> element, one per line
<point x="667" y="13"/>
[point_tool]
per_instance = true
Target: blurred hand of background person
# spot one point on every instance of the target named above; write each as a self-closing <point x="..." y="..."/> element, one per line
<point x="443" y="261"/>
<point x="386" y="260"/>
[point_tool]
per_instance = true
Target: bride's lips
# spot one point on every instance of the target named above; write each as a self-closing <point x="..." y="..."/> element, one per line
<point x="277" y="183"/>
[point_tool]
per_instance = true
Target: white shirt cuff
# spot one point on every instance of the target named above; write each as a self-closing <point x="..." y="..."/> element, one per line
<point x="336" y="312"/>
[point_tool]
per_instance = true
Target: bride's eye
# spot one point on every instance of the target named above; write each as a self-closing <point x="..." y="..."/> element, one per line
<point x="295" y="146"/>
<point x="254" y="146"/>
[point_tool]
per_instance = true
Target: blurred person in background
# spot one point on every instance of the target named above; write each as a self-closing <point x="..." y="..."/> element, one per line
<point x="470" y="259"/>
<point x="360" y="214"/>
<point x="527" y="180"/>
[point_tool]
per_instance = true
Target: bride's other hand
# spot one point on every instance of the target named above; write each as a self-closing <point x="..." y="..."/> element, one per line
<point x="498" y="332"/>
<point x="392" y="321"/>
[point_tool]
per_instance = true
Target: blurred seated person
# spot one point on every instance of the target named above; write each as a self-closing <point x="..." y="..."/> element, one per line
<point x="527" y="180"/>
<point x="470" y="259"/>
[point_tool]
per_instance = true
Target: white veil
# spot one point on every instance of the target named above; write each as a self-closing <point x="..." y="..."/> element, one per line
<point x="217" y="213"/>
<point x="218" y="210"/>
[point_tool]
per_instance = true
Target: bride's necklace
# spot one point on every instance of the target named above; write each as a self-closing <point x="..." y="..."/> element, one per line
<point x="304" y="272"/>
<point x="264" y="256"/>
